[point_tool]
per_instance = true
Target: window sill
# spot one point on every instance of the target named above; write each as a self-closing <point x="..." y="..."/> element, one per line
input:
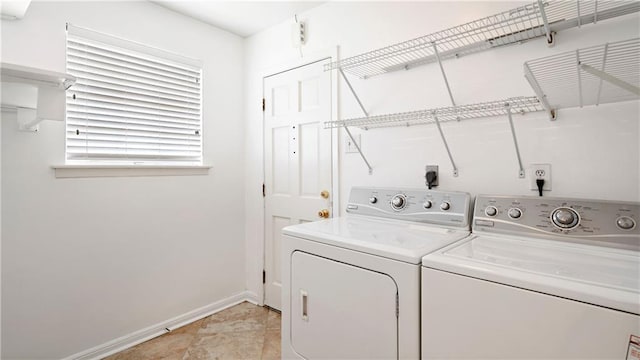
<point x="84" y="171"/>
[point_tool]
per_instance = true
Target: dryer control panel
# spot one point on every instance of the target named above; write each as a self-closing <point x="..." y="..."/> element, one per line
<point x="425" y="206"/>
<point x="589" y="221"/>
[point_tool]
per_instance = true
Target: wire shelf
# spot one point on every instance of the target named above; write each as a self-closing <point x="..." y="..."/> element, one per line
<point x="596" y="75"/>
<point x="513" y="26"/>
<point x="486" y="109"/>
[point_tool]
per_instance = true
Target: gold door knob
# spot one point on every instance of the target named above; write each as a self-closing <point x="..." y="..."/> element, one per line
<point x="324" y="194"/>
<point x="324" y="213"/>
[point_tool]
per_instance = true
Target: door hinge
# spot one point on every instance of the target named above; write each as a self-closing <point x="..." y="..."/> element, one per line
<point x="264" y="277"/>
<point x="397" y="306"/>
<point x="264" y="190"/>
<point x="264" y="104"/>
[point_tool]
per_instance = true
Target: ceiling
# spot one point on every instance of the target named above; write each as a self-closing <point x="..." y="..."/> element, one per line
<point x="243" y="18"/>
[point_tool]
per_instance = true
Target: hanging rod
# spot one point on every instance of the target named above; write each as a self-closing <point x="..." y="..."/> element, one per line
<point x="538" y="19"/>
<point x="421" y="117"/>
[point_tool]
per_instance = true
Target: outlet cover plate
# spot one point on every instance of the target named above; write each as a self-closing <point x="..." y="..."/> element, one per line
<point x="298" y="34"/>
<point x="540" y="171"/>
<point x="350" y="147"/>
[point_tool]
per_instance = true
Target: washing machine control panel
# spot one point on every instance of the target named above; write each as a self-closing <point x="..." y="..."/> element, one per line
<point x="425" y="206"/>
<point x="596" y="221"/>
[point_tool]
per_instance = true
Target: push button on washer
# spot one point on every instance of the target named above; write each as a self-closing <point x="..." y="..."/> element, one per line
<point x="491" y="211"/>
<point x="625" y="223"/>
<point x="515" y="213"/>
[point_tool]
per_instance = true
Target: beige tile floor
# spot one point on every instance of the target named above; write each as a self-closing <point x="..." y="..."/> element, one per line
<point x="244" y="331"/>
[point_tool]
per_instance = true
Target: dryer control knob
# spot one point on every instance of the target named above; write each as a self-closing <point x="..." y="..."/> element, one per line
<point x="565" y="218"/>
<point x="491" y="211"/>
<point x="398" y="202"/>
<point x="625" y="223"/>
<point x="427" y="204"/>
<point x="373" y="199"/>
<point x="514" y="213"/>
<point x="445" y="206"/>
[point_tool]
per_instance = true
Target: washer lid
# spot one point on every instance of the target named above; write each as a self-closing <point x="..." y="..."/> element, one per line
<point x="394" y="239"/>
<point x="597" y="275"/>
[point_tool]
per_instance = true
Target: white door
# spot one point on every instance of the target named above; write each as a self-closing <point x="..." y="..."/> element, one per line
<point x="297" y="159"/>
<point x="340" y="311"/>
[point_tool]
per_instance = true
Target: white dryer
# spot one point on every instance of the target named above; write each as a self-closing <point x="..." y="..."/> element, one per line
<point x="539" y="278"/>
<point x="351" y="285"/>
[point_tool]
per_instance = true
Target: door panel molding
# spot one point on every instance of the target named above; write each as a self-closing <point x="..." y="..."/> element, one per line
<point x="333" y="205"/>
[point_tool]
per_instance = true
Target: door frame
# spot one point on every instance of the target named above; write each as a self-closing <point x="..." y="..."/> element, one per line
<point x="334" y="205"/>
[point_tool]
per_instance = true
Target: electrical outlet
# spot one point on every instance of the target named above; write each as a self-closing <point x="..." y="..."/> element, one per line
<point x="541" y="171"/>
<point x="298" y="33"/>
<point x="350" y="147"/>
<point x="432" y="168"/>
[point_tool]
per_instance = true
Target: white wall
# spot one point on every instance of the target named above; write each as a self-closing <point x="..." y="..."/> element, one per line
<point x="87" y="260"/>
<point x="0" y="239"/>
<point x="593" y="151"/>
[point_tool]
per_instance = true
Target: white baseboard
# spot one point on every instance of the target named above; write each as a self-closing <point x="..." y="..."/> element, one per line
<point x="137" y="337"/>
<point x="253" y="298"/>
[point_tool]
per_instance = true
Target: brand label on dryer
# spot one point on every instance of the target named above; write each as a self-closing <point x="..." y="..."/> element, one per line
<point x="633" y="351"/>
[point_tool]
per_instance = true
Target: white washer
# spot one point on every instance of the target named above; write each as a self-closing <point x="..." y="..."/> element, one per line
<point x="539" y="278"/>
<point x="351" y="285"/>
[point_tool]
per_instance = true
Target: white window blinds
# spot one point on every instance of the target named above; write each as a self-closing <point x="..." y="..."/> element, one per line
<point x="131" y="103"/>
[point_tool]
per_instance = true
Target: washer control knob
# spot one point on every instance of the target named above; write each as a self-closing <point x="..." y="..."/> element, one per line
<point x="514" y="213"/>
<point x="625" y="223"/>
<point x="445" y="206"/>
<point x="373" y="200"/>
<point x="427" y="204"/>
<point x="565" y="218"/>
<point x="491" y="211"/>
<point x="398" y="202"/>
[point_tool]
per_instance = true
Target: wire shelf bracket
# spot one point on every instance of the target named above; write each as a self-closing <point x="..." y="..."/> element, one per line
<point x="453" y="103"/>
<point x="353" y="92"/>
<point x="444" y="76"/>
<point x="611" y="79"/>
<point x="606" y="73"/>
<point x="346" y="127"/>
<point x="446" y="146"/>
<point x="536" y="89"/>
<point x="515" y="141"/>
<point x="548" y="33"/>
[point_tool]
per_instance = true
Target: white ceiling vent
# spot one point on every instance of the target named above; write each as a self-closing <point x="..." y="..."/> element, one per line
<point x="13" y="9"/>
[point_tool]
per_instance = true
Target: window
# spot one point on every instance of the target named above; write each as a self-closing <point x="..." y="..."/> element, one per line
<point x="131" y="104"/>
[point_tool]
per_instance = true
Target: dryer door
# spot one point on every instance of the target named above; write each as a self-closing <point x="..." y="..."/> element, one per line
<point x="340" y="311"/>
